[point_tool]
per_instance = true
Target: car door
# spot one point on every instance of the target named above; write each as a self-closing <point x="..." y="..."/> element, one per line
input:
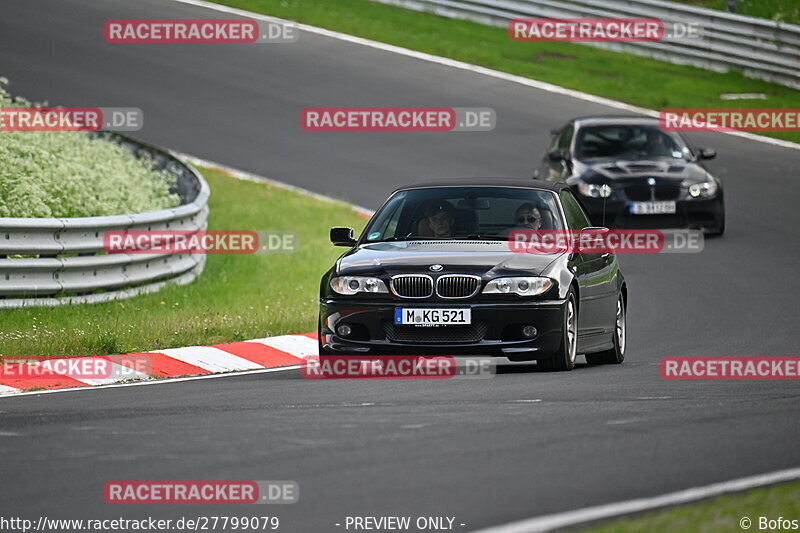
<point x="597" y="275"/>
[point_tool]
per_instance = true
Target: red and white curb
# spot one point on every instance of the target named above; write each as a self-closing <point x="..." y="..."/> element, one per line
<point x="258" y="354"/>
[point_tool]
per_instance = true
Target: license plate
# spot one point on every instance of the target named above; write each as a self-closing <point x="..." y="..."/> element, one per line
<point x="432" y="317"/>
<point x="653" y="208"/>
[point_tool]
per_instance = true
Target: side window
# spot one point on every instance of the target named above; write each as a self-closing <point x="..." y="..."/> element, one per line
<point x="565" y="139"/>
<point x="576" y="218"/>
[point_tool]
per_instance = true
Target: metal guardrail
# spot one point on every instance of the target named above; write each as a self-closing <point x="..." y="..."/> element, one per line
<point x="53" y="261"/>
<point x="760" y="48"/>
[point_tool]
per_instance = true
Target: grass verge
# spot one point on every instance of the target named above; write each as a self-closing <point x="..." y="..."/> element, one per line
<point x="625" y="77"/>
<point x="237" y="297"/>
<point x="719" y="515"/>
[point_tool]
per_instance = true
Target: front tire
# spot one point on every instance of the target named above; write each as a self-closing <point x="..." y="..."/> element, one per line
<point x="719" y="229"/>
<point x="564" y="358"/>
<point x="615" y="355"/>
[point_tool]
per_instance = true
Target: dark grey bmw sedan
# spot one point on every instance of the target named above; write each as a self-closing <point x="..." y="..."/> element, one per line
<point x="435" y="272"/>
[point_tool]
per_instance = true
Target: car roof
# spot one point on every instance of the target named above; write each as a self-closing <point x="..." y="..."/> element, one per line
<point x="488" y="182"/>
<point x="603" y="120"/>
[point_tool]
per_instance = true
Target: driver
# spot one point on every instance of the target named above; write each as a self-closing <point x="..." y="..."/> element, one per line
<point x="656" y="144"/>
<point x="440" y="219"/>
<point x="528" y="216"/>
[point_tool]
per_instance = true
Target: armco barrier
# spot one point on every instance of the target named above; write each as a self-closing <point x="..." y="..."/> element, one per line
<point x="760" y="48"/>
<point x="52" y="261"/>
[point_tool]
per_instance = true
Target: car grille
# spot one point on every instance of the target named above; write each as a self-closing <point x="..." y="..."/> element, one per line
<point x="642" y="193"/>
<point x="457" y="286"/>
<point x="412" y="286"/>
<point x="434" y="334"/>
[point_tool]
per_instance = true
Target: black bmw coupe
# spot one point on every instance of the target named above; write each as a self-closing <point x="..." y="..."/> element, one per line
<point x="434" y="273"/>
<point x="629" y="173"/>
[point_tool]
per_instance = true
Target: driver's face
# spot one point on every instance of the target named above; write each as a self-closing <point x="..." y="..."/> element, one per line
<point x="441" y="223"/>
<point x="529" y="218"/>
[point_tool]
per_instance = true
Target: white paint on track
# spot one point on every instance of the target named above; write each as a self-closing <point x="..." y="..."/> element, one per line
<point x="162" y="381"/>
<point x="249" y="176"/>
<point x="297" y="345"/>
<point x="118" y="372"/>
<point x="9" y="390"/>
<point x="601" y="512"/>
<point x="210" y="358"/>
<point x="528" y="82"/>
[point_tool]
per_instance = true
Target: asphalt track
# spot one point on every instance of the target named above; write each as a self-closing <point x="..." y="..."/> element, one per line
<point x="463" y="448"/>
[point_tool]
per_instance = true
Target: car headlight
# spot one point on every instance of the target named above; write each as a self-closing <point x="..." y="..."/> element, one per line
<point x="594" y="191"/>
<point x="350" y="285"/>
<point x="707" y="189"/>
<point x="530" y="286"/>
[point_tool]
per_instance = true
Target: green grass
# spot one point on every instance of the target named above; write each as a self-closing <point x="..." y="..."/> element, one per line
<point x="237" y="297"/>
<point x="625" y="77"/>
<point x="719" y="515"/>
<point x="780" y="10"/>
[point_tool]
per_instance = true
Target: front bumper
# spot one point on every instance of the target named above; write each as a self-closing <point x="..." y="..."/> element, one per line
<point x="690" y="214"/>
<point x="496" y="329"/>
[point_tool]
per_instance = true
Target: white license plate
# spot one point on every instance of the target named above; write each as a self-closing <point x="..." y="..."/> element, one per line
<point x="653" y="208"/>
<point x="432" y="317"/>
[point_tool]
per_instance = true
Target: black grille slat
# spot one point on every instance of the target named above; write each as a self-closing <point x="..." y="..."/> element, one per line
<point x="456" y="286"/>
<point x="645" y="193"/>
<point x="412" y="286"/>
<point x="435" y="335"/>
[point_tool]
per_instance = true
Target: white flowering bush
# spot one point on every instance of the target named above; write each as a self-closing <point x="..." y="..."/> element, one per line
<point x="70" y="174"/>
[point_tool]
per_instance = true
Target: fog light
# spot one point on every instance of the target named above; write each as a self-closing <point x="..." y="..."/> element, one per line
<point x="529" y="331"/>
<point x="344" y="330"/>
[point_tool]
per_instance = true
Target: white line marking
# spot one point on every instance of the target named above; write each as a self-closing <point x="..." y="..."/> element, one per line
<point x="600" y="512"/>
<point x="525" y="401"/>
<point x="654" y="398"/>
<point x="118" y="373"/>
<point x="210" y="358"/>
<point x="549" y="87"/>
<point x="249" y="176"/>
<point x="296" y="345"/>
<point x="4" y="389"/>
<point x="623" y="421"/>
<point x="164" y="381"/>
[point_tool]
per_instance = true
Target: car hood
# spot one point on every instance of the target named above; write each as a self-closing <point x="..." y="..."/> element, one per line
<point x="625" y="172"/>
<point x="491" y="258"/>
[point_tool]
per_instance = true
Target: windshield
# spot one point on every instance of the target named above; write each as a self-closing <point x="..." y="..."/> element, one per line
<point x="489" y="213"/>
<point x="629" y="142"/>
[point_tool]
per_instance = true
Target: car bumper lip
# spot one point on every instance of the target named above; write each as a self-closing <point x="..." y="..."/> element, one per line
<point x="500" y="321"/>
<point x="697" y="213"/>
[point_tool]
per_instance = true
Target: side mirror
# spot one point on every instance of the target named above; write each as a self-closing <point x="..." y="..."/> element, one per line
<point x="593" y="240"/>
<point x="707" y="153"/>
<point x="557" y="155"/>
<point x="343" y="236"/>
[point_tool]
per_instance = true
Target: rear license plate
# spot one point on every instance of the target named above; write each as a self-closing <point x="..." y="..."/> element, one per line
<point x="432" y="317"/>
<point x="653" y="208"/>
